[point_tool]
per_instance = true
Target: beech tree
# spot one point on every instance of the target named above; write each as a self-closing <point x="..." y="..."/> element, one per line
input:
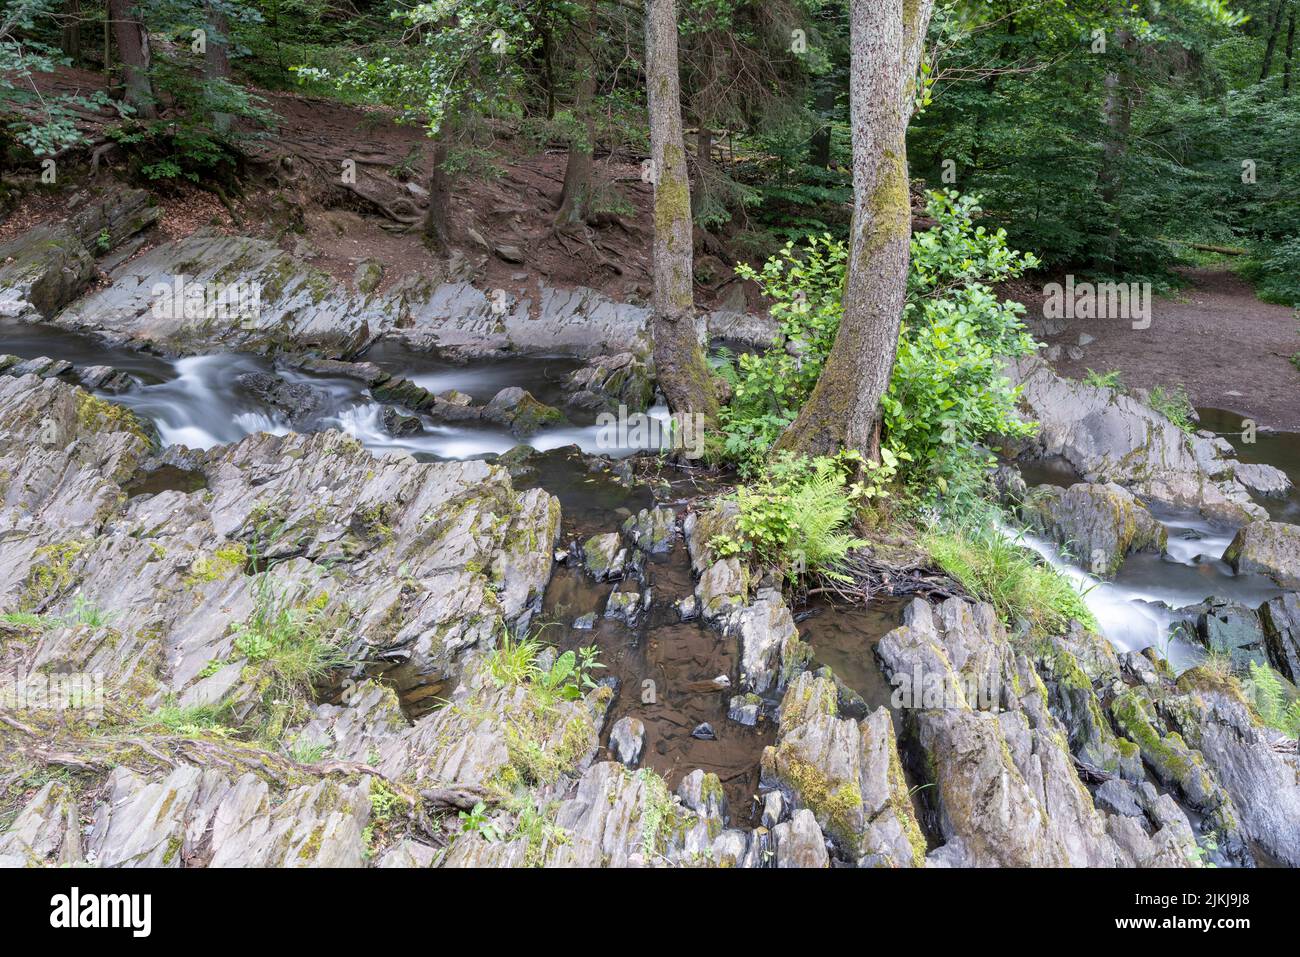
<point x="680" y="365"/>
<point x="886" y="40"/>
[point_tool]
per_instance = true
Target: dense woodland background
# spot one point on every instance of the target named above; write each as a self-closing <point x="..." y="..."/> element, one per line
<point x="1105" y="137"/>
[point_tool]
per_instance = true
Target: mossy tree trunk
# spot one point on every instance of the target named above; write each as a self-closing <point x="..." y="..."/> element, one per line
<point x="1274" y="26"/>
<point x="575" y="197"/>
<point x="886" y="40"/>
<point x="133" y="50"/>
<point x="1117" y="114"/>
<point x="680" y="365"/>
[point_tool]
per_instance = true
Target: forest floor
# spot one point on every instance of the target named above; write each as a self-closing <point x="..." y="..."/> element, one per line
<point x="1214" y="337"/>
<point x="1228" y="349"/>
<point x="502" y="214"/>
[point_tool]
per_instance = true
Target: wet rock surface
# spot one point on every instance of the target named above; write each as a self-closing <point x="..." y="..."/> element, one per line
<point x="1107" y="436"/>
<point x="1098" y="524"/>
<point x="1268" y="548"/>
<point x="424" y="749"/>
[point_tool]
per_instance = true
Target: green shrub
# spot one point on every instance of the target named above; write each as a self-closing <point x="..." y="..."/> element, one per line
<point x="571" y="675"/>
<point x="1175" y="405"/>
<point x="947" y="393"/>
<point x="1274" y="268"/>
<point x="768" y="388"/>
<point x="289" y="645"/>
<point x="1104" y="380"/>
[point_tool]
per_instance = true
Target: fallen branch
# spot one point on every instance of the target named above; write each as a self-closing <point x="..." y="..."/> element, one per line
<point x="1207" y="247"/>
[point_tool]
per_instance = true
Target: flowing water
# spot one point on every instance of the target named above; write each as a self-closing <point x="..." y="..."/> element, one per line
<point x="665" y="667"/>
<point x="1136" y="609"/>
<point x="202" y="401"/>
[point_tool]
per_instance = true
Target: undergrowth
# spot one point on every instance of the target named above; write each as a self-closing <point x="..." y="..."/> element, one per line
<point x="1011" y="578"/>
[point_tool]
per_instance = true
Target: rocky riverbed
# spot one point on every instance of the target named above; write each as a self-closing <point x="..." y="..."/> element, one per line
<point x="153" y="538"/>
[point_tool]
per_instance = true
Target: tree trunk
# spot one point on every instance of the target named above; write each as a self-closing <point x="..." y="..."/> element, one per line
<point x="548" y="72"/>
<point x="1290" y="52"/>
<point x="216" y="58"/>
<point x="70" y="43"/>
<point x="680" y="366"/>
<point x="437" y="218"/>
<point x="1117" y="114"/>
<point x="133" y="50"/>
<point x="1274" y="25"/>
<point x="819" y="147"/>
<point x="886" y="39"/>
<point x="703" y="159"/>
<point x="575" y="197"/>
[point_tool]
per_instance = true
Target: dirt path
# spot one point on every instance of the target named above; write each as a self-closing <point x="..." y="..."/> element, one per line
<point x="1214" y="337"/>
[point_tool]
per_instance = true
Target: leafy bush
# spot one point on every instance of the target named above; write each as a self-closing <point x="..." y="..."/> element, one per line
<point x="514" y="662"/>
<point x="947" y="392"/>
<point x="42" y="122"/>
<point x="1275" y="269"/>
<point x="768" y="388"/>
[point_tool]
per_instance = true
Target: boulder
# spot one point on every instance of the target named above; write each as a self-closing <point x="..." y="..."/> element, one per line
<point x="1280" y="619"/>
<point x="517" y="410"/>
<point x="1097" y="524"/>
<point x="799" y="842"/>
<point x="414" y="562"/>
<point x="1180" y="767"/>
<point x="1107" y="436"/>
<point x="48" y="266"/>
<point x="627" y="740"/>
<point x="1226" y="627"/>
<point x="1263" y="480"/>
<point x="1005" y="787"/>
<point x="1249" y="762"/>
<point x="1267" y="548"/>
<point x="652" y="530"/>
<point x="770" y="648"/>
<point x="299" y="402"/>
<point x="625" y="606"/>
<point x="280" y="304"/>
<point x="606" y="382"/>
<point x="847" y="774"/>
<point x="604" y="557"/>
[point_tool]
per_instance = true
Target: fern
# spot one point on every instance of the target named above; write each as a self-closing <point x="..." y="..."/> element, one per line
<point x="799" y="513"/>
<point x="819" y="512"/>
<point x="1267" y="692"/>
<point x="1291" y="720"/>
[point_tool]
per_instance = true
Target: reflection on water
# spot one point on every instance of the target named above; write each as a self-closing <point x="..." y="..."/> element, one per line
<point x="664" y="669"/>
<point x="1278" y="449"/>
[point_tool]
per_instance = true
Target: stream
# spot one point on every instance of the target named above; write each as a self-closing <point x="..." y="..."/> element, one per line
<point x="200" y="401"/>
